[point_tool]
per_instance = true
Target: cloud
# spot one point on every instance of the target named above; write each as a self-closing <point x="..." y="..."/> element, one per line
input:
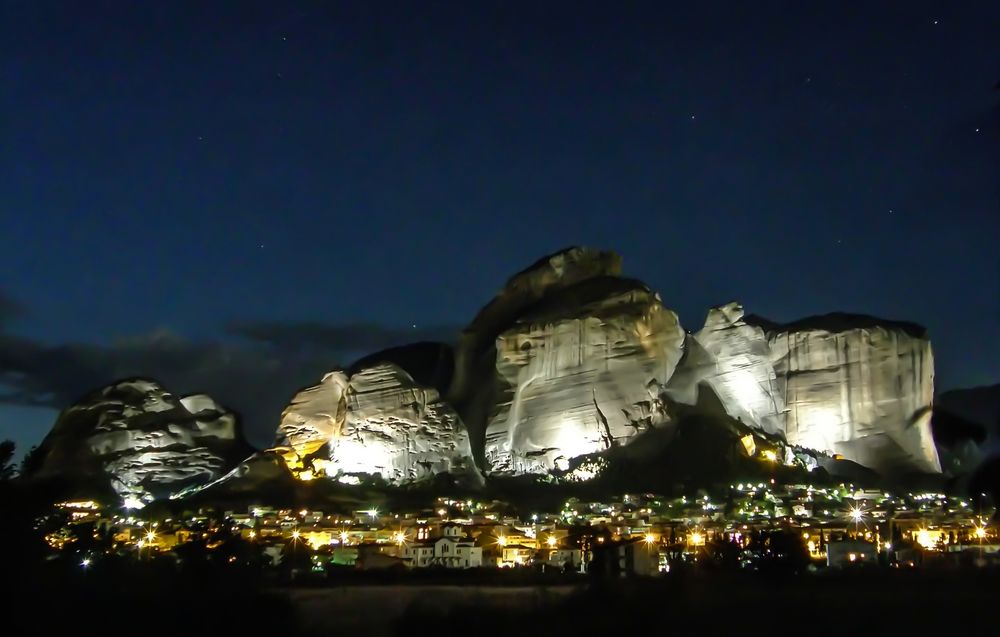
<point x="256" y="376"/>
<point x="351" y="337"/>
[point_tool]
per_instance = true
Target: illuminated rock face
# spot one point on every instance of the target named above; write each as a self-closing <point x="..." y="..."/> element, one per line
<point x="734" y="360"/>
<point x="315" y="416"/>
<point x="859" y="387"/>
<point x="575" y="367"/>
<point x="143" y="439"/>
<point x="378" y="421"/>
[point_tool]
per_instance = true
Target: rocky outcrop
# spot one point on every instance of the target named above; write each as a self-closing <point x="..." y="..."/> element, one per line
<point x="859" y="387"/>
<point x="375" y="419"/>
<point x="143" y="441"/>
<point x="568" y="360"/>
<point x="733" y="359"/>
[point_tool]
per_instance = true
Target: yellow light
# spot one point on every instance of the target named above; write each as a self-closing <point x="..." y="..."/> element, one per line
<point x="805" y="535"/>
<point x="253" y="534"/>
<point x="852" y="556"/>
<point x="442" y="512"/>
<point x="980" y="532"/>
<point x="925" y="539"/>
<point x="857" y="514"/>
<point x="150" y="536"/>
<point x="295" y="534"/>
<point x="303" y="513"/>
<point x="769" y="455"/>
<point x="501" y="540"/>
<point x="650" y="538"/>
<point x="697" y="539"/>
<point x="344" y="536"/>
<point x="140" y="543"/>
<point x="551" y="541"/>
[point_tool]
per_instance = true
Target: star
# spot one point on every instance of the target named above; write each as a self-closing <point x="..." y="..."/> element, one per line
<point x="200" y="138"/>
<point x="692" y="117"/>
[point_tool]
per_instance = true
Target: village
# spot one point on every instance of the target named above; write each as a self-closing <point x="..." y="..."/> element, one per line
<point x="750" y="527"/>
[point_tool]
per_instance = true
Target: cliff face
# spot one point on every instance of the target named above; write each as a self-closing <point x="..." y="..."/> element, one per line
<point x="575" y="367"/>
<point x="143" y="441"/>
<point x="733" y="359"/>
<point x="859" y="387"/>
<point x="376" y="421"/>
<point x="568" y="359"/>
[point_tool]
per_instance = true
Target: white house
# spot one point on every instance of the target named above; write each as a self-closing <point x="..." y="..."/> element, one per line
<point x="450" y="550"/>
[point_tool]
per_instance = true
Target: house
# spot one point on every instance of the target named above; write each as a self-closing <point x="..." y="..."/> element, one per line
<point x="376" y="556"/>
<point x="849" y="553"/>
<point x="565" y="557"/>
<point x="516" y="555"/>
<point x="627" y="558"/>
<point x="451" y="550"/>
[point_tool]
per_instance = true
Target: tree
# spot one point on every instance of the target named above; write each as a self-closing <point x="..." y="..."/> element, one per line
<point x="32" y="461"/>
<point x="7" y="469"/>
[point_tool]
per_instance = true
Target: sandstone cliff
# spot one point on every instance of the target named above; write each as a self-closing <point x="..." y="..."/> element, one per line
<point x="857" y="386"/>
<point x="142" y="440"/>
<point x="374" y="419"/>
<point x="567" y="360"/>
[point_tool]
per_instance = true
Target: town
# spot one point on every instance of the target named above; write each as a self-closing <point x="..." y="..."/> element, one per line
<point x="751" y="527"/>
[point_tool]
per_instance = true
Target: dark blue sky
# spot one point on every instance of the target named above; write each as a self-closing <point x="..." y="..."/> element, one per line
<point x="168" y="170"/>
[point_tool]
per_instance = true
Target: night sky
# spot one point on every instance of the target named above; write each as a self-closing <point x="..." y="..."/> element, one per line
<point x="236" y="197"/>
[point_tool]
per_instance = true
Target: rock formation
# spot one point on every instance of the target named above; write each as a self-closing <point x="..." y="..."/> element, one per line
<point x="569" y="359"/>
<point x="859" y="387"/>
<point x="142" y="440"/>
<point x="734" y="360"/>
<point x="375" y="419"/>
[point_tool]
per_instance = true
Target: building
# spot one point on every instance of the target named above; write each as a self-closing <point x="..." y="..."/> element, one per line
<point x="450" y="550"/>
<point x="378" y="556"/>
<point x="626" y="558"/>
<point x="848" y="553"/>
<point x="566" y="558"/>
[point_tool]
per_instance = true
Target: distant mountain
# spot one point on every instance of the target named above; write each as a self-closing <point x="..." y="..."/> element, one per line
<point x="980" y="405"/>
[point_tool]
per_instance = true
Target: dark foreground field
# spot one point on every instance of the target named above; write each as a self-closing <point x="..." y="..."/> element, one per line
<point x="698" y="603"/>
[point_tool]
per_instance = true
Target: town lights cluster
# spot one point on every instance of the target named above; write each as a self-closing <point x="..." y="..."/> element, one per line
<point x="832" y="523"/>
